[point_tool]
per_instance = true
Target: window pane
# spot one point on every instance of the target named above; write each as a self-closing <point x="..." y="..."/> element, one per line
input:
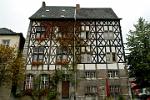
<point x="108" y="35"/>
<point x="41" y="56"/>
<point x="112" y="73"/>
<point x="108" y="57"/>
<point x="41" y="49"/>
<point x="85" y="58"/>
<point x="35" y="49"/>
<point x="35" y="57"/>
<point x="90" y="74"/>
<point x="44" y="81"/>
<point x="114" y="57"/>
<point x="29" y="82"/>
<point x="6" y="42"/>
<point x="85" y="34"/>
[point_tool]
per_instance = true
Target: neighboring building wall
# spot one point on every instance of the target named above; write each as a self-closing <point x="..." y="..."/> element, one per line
<point x="13" y="40"/>
<point x="10" y="38"/>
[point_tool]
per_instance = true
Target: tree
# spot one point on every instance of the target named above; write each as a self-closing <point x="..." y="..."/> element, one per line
<point x="138" y="42"/>
<point x="11" y="67"/>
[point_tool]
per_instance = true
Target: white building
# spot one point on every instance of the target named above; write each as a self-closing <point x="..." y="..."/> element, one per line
<point x="10" y="38"/>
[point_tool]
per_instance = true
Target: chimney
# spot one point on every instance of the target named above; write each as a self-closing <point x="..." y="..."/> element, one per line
<point x="77" y="8"/>
<point x="43" y="4"/>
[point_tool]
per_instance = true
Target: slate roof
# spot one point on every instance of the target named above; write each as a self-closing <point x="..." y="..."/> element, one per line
<point x="6" y="31"/>
<point x="96" y="13"/>
<point x="66" y="12"/>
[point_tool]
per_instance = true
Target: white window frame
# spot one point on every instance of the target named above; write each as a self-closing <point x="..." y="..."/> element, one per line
<point x="113" y="74"/>
<point x="114" y="89"/>
<point x="111" y="57"/>
<point x="44" y="81"/>
<point x="85" y="34"/>
<point x="29" y="82"/>
<point x="91" y="89"/>
<point x="90" y="74"/>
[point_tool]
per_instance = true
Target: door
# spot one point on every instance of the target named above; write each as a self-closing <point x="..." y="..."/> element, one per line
<point x="65" y="89"/>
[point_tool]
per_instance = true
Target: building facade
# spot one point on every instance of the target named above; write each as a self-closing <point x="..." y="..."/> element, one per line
<point x="87" y="39"/>
<point x="10" y="38"/>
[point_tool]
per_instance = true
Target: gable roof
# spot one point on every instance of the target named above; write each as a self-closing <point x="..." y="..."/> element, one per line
<point x="9" y="32"/>
<point x="68" y="12"/>
<point x="96" y="13"/>
<point x="6" y="31"/>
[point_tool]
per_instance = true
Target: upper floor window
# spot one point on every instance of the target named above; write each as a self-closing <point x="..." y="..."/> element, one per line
<point x="85" y="34"/>
<point x="29" y="82"/>
<point x="108" y="35"/>
<point x="6" y="42"/>
<point x="111" y="57"/>
<point x="39" y="31"/>
<point x="90" y="74"/>
<point x="44" y="81"/>
<point x="61" y="54"/>
<point x="38" y="54"/>
<point x="85" y="58"/>
<point x="112" y="73"/>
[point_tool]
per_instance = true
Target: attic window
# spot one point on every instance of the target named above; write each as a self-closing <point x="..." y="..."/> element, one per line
<point x="62" y="16"/>
<point x="47" y="10"/>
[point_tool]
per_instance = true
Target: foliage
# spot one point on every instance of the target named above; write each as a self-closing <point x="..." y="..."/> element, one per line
<point x="51" y="91"/>
<point x="18" y="69"/>
<point x="121" y="97"/>
<point x="11" y="67"/>
<point x="7" y="56"/>
<point x="139" y="57"/>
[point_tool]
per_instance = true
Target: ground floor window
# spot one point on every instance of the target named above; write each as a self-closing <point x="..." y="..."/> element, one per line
<point x="44" y="81"/>
<point x="90" y="90"/>
<point x="114" y="90"/>
<point x="29" y="82"/>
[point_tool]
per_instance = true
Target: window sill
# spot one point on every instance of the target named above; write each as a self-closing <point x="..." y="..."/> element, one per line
<point x="34" y="63"/>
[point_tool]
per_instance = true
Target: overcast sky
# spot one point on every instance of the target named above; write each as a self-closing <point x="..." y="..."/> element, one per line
<point x="14" y="14"/>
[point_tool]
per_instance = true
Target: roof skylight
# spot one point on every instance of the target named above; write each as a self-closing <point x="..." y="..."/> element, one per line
<point x="62" y="16"/>
<point x="47" y="10"/>
<point x="63" y="10"/>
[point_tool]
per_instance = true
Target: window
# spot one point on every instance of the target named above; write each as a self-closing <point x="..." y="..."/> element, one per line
<point x="61" y="54"/>
<point x="90" y="90"/>
<point x="85" y="58"/>
<point x="44" y="81"/>
<point x="6" y="42"/>
<point x="38" y="54"/>
<point x="29" y="82"/>
<point x="113" y="73"/>
<point x="108" y="35"/>
<point x="85" y="35"/>
<point x="110" y="57"/>
<point x="114" y="90"/>
<point x="90" y="74"/>
<point x="39" y="31"/>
